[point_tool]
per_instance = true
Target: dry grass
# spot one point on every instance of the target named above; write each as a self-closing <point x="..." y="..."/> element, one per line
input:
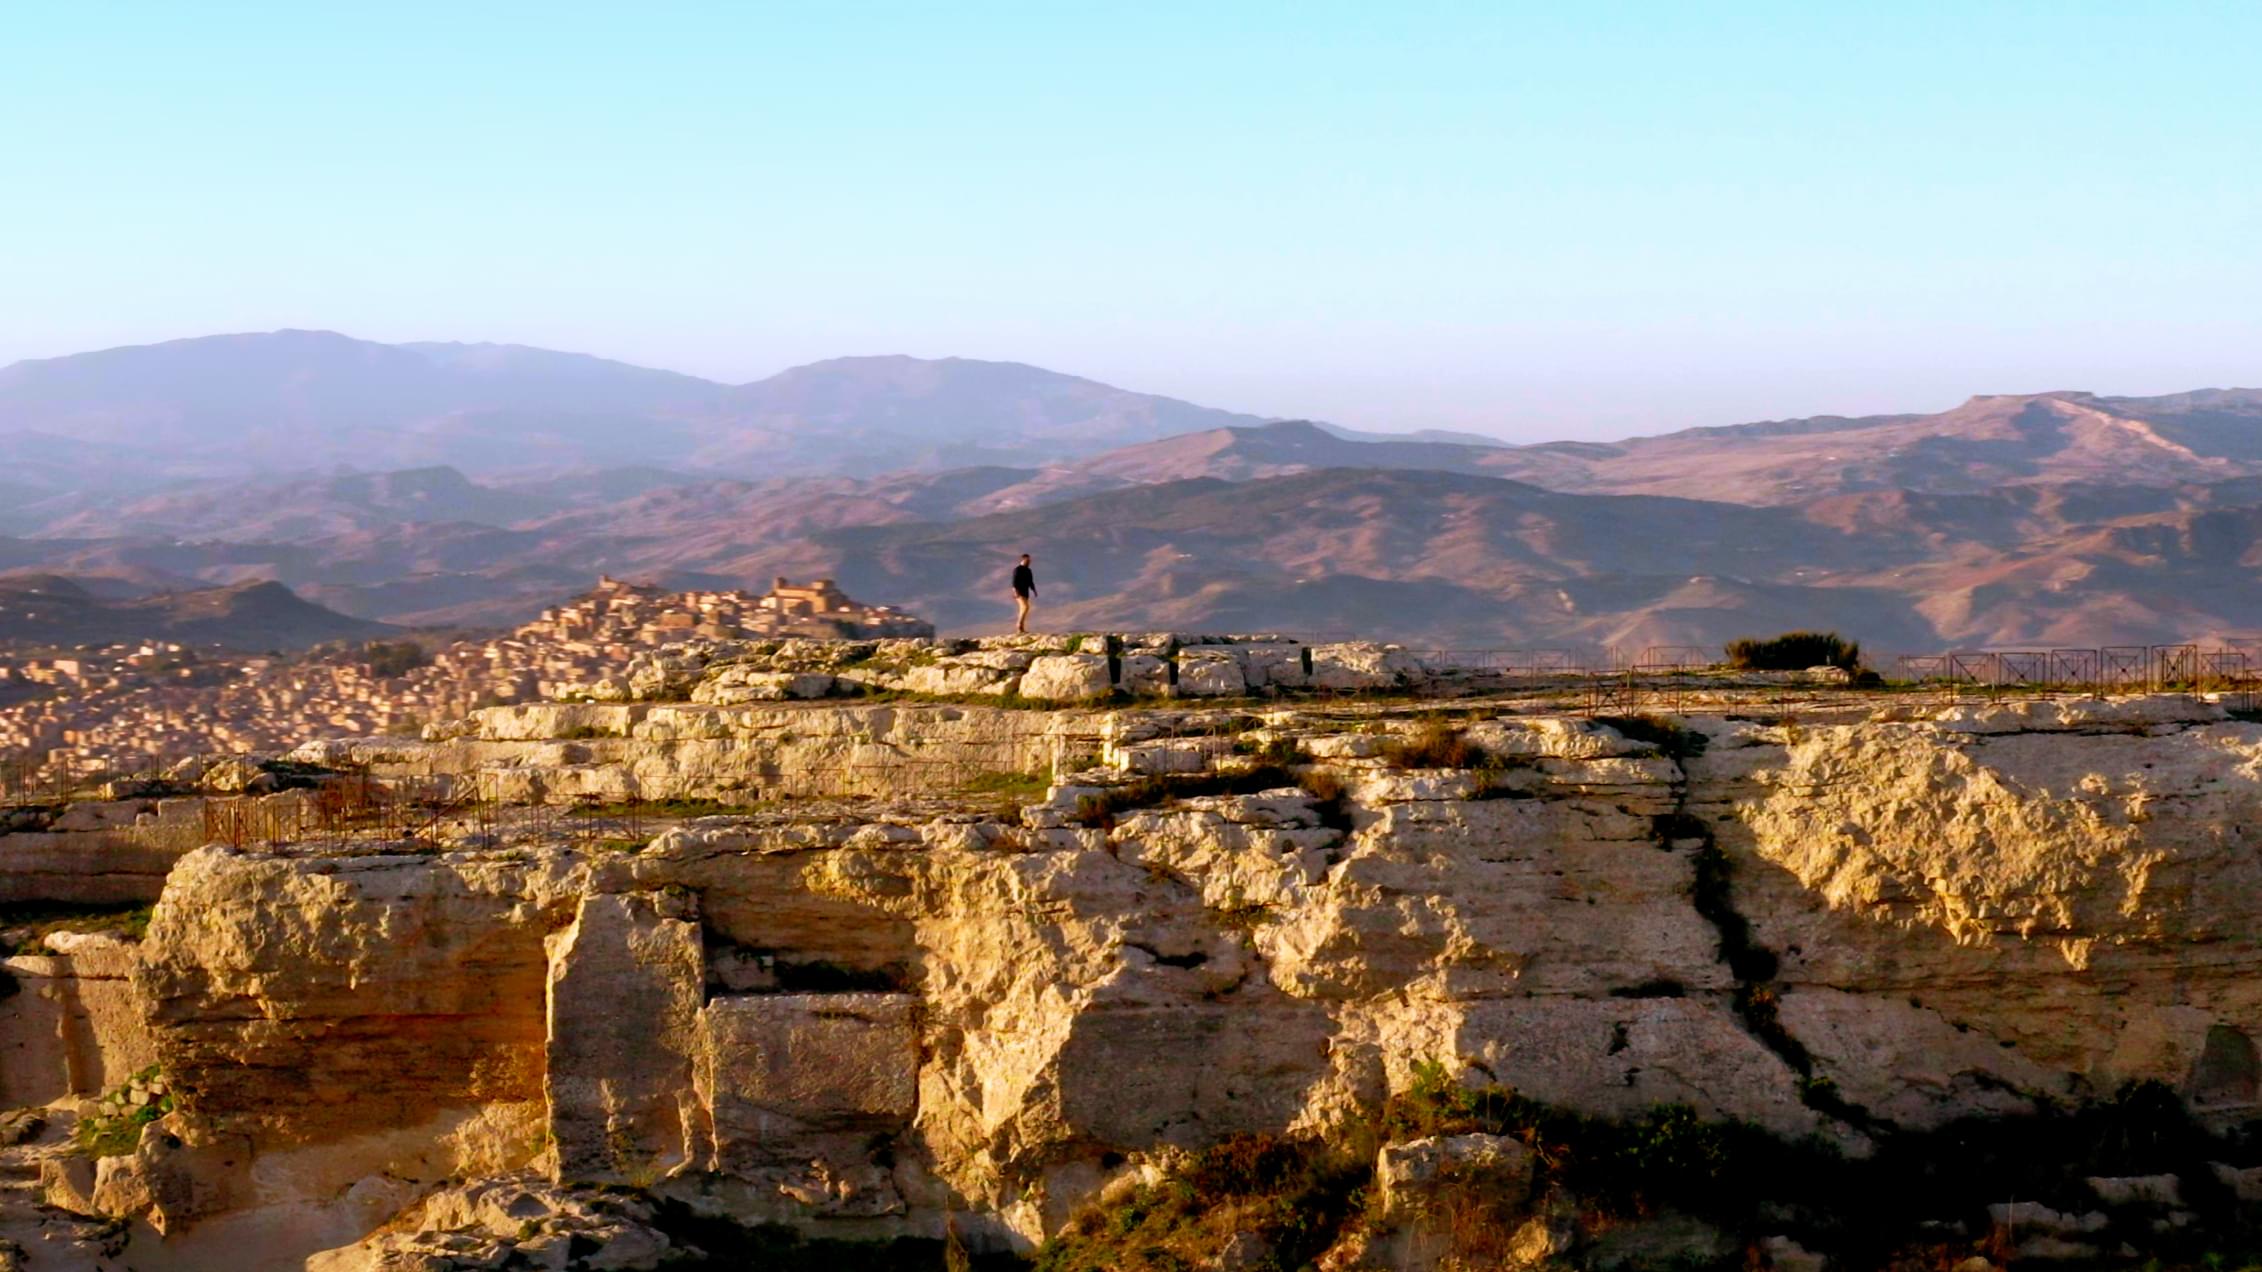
<point x="1435" y="745"/>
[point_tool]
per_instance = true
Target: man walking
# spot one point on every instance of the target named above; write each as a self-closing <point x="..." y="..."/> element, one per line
<point x="1024" y="591"/>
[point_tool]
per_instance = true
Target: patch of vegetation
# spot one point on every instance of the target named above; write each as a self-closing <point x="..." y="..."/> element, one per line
<point x="119" y="1133"/>
<point x="1794" y="651"/>
<point x="1436" y="744"/>
<point x="391" y="658"/>
<point x="1668" y="735"/>
<point x="26" y="925"/>
<point x="1292" y="1196"/>
<point x="1298" y="1197"/>
<point x="1284" y="751"/>
<point x="1669" y="1156"/>
<point x="1331" y="798"/>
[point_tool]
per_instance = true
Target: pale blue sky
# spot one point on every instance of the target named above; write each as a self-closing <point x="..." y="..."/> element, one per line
<point x="1533" y="220"/>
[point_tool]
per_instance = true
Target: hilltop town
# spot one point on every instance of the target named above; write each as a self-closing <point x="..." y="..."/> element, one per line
<point x="133" y="708"/>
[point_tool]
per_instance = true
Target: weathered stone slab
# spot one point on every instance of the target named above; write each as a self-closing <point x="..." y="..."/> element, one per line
<point x="625" y="986"/>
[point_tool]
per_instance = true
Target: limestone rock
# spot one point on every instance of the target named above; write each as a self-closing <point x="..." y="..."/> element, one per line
<point x="1413" y="1177"/>
<point x="1359" y="665"/>
<point x="19" y="1125"/>
<point x="738" y="684"/>
<point x="1210" y="673"/>
<point x="1143" y="675"/>
<point x="2138" y="1190"/>
<point x="1067" y="678"/>
<point x="516" y="1222"/>
<point x="876" y="1017"/>
<point x="2033" y="1216"/>
<point x="625" y="989"/>
<point x="237" y="777"/>
<point x="1540" y="1242"/>
<point x="986" y="672"/>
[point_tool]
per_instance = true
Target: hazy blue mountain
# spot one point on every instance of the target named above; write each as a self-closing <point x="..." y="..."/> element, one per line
<point x="228" y="406"/>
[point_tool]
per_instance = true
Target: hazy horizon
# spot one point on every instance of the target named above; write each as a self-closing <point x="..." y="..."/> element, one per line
<point x="1515" y="221"/>
<point x="1257" y="409"/>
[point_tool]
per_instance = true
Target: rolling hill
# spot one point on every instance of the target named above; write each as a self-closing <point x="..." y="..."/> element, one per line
<point x="49" y="610"/>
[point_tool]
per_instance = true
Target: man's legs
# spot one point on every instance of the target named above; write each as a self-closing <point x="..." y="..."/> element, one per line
<point x="1021" y="618"/>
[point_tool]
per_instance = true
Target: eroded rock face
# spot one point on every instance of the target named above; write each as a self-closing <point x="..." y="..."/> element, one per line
<point x="310" y="997"/>
<point x="2099" y="857"/>
<point x="866" y="1022"/>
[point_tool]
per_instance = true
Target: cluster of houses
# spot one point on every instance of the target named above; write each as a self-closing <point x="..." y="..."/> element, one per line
<point x="131" y="708"/>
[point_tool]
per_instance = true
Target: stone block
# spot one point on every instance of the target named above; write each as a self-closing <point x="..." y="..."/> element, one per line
<point x="626" y="983"/>
<point x="1143" y="674"/>
<point x="1416" y="1176"/>
<point x="1207" y="673"/>
<point x="821" y="1061"/>
<point x="1067" y="678"/>
<point x="1352" y="667"/>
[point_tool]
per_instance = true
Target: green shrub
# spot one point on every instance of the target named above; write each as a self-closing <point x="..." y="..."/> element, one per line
<point x="25" y="925"/>
<point x="390" y="658"/>
<point x="1794" y="651"/>
<point x="118" y="1133"/>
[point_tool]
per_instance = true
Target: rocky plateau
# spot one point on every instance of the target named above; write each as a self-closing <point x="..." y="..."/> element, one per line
<point x="730" y="959"/>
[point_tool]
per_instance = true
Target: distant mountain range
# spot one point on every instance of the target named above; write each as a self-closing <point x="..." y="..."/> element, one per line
<point x="487" y="481"/>
<point x="286" y="401"/>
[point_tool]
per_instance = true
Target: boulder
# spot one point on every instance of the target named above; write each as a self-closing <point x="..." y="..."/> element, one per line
<point x="1067" y="678"/>
<point x="1273" y="666"/>
<point x="238" y="777"/>
<point x="1143" y="675"/>
<point x="1362" y="665"/>
<point x="519" y="1222"/>
<point x="982" y="672"/>
<point x="609" y="689"/>
<point x="1415" y="1176"/>
<point x="2244" y="1182"/>
<point x="735" y="685"/>
<point x="2137" y="1190"/>
<point x="2032" y="1216"/>
<point x="1785" y="1255"/>
<point x="1210" y="673"/>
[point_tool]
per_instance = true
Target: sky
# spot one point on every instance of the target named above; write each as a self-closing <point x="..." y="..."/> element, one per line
<point x="1534" y="221"/>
